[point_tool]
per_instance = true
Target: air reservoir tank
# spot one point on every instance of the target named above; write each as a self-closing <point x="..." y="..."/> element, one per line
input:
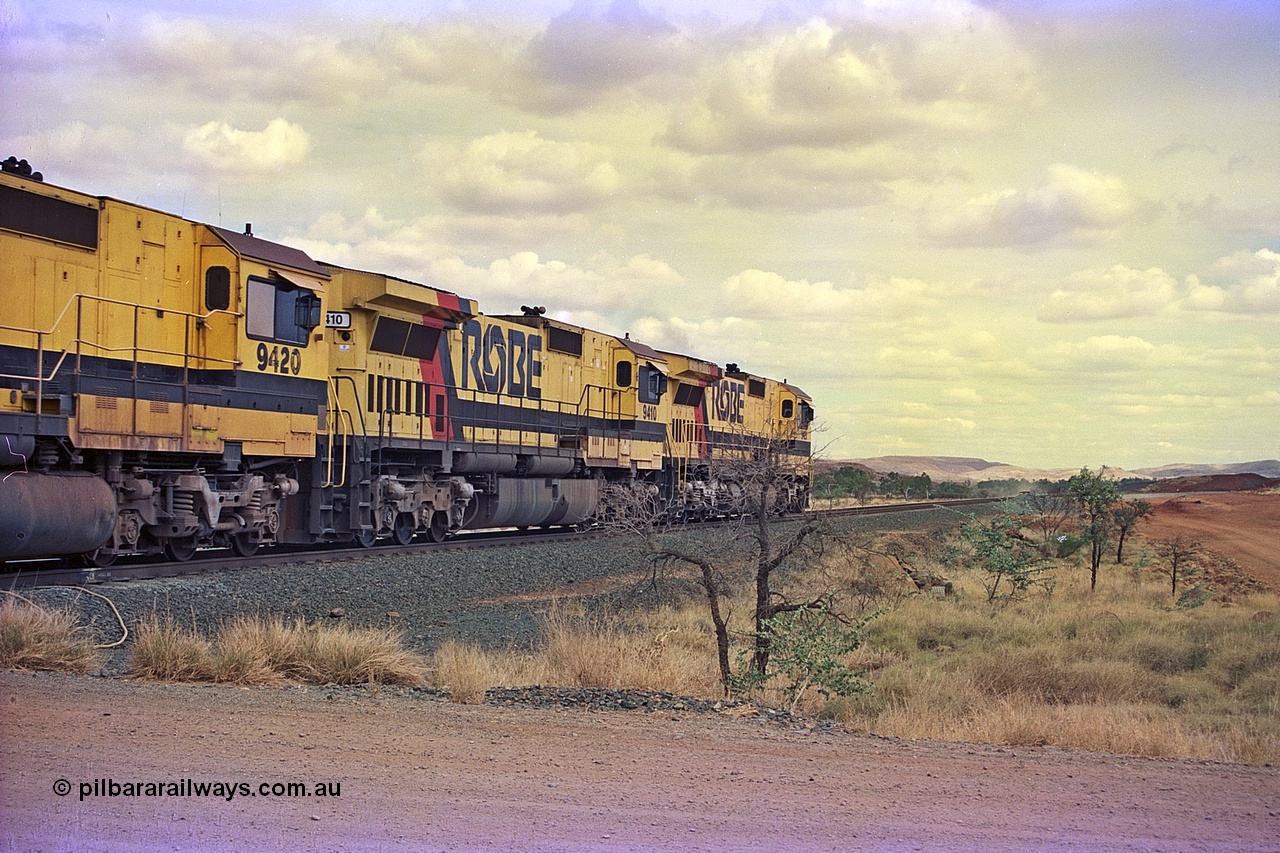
<point x="46" y="514"/>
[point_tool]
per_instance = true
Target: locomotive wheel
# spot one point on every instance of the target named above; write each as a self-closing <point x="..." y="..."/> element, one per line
<point x="367" y="538"/>
<point x="244" y="544"/>
<point x="439" y="527"/>
<point x="180" y="549"/>
<point x="403" y="529"/>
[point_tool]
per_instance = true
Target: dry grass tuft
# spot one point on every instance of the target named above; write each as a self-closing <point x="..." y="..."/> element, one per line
<point x="33" y="637"/>
<point x="259" y="651"/>
<point x="647" y="654"/>
<point x="166" y="651"/>
<point x="465" y="671"/>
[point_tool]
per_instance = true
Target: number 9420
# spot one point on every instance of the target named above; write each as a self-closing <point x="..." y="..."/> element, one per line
<point x="279" y="359"/>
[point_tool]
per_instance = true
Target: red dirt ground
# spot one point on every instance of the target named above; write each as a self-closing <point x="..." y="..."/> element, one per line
<point x="421" y="775"/>
<point x="1244" y="526"/>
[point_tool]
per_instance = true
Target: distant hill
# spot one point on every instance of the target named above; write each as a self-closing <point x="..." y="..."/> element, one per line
<point x="1263" y="468"/>
<point x="1214" y="483"/>
<point x="958" y="469"/>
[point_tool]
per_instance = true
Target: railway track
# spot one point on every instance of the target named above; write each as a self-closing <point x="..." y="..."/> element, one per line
<point x="38" y="573"/>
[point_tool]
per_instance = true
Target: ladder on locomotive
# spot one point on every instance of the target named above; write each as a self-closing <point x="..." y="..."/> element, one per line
<point x="342" y="439"/>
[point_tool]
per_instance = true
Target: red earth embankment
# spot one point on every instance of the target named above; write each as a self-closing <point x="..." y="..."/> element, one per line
<point x="1244" y="526"/>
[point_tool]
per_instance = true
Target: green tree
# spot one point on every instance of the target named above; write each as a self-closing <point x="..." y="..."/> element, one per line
<point x="921" y="485"/>
<point x="1010" y="565"/>
<point x="1094" y="497"/>
<point x="807" y="648"/>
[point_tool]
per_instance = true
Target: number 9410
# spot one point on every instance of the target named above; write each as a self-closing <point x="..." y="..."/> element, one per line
<point x="279" y="359"/>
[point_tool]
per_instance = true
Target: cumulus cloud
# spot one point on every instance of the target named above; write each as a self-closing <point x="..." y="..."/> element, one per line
<point x="585" y="53"/>
<point x="1105" y="294"/>
<point x="607" y="287"/>
<point x="219" y="146"/>
<point x="801" y="180"/>
<point x="1103" y="354"/>
<point x="718" y="339"/>
<point x="761" y="293"/>
<point x="1242" y="283"/>
<point x="76" y="147"/>
<point x="832" y="82"/>
<point x="165" y="46"/>
<point x="1070" y="201"/>
<point x="512" y="172"/>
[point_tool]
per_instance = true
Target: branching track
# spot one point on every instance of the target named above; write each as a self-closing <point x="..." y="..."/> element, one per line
<point x="24" y="575"/>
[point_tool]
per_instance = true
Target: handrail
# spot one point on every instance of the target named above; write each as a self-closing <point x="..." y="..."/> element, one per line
<point x="362" y="436"/>
<point x="79" y="342"/>
<point x="332" y="429"/>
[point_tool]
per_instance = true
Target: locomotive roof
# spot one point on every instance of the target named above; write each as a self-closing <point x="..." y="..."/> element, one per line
<point x="272" y="253"/>
<point x="640" y="350"/>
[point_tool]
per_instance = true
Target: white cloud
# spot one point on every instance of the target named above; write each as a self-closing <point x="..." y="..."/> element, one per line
<point x="764" y="294"/>
<point x="220" y="146"/>
<point x="1249" y="283"/>
<point x="1070" y="201"/>
<point x="510" y="172"/>
<point x="843" y="82"/>
<point x="1107" y="294"/>
<point x="1103" y="354"/>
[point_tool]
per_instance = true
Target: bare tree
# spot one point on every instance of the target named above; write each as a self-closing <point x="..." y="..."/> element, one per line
<point x="751" y="486"/>
<point x="1180" y="554"/>
<point x="1125" y="517"/>
<point x="1048" y="512"/>
<point x="634" y="510"/>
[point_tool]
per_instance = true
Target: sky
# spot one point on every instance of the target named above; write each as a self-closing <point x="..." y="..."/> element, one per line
<point x="1040" y="233"/>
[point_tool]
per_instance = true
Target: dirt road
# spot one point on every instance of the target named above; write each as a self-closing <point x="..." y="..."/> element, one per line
<point x="417" y="774"/>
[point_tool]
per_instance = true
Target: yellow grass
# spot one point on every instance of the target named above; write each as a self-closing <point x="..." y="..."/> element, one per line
<point x="464" y="671"/>
<point x="1119" y="669"/>
<point x="251" y="650"/>
<point x="33" y="637"/>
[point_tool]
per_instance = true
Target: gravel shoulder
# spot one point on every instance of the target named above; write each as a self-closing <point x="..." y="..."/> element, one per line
<point x="416" y="773"/>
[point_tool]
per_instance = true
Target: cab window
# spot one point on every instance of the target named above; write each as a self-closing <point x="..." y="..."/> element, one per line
<point x="652" y="385"/>
<point x="217" y="289"/>
<point x="788" y="408"/>
<point x="280" y="311"/>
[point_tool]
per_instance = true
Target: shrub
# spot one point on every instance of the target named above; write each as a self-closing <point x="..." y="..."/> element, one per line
<point x="256" y="651"/>
<point x="33" y="637"/>
<point x="165" y="651"/>
<point x="465" y="671"/>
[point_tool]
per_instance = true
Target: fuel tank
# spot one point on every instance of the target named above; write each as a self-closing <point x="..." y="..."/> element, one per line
<point x="533" y="503"/>
<point x="47" y="514"/>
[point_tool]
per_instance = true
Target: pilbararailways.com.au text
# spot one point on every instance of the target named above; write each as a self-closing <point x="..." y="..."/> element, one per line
<point x="191" y="788"/>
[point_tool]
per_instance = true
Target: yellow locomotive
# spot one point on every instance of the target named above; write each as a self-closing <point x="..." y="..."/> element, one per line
<point x="167" y="385"/>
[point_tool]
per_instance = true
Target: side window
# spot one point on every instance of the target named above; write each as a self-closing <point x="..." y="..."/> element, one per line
<point x="652" y="385"/>
<point x="280" y="311"/>
<point x="788" y="408"/>
<point x="217" y="289"/>
<point x="623" y="377"/>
